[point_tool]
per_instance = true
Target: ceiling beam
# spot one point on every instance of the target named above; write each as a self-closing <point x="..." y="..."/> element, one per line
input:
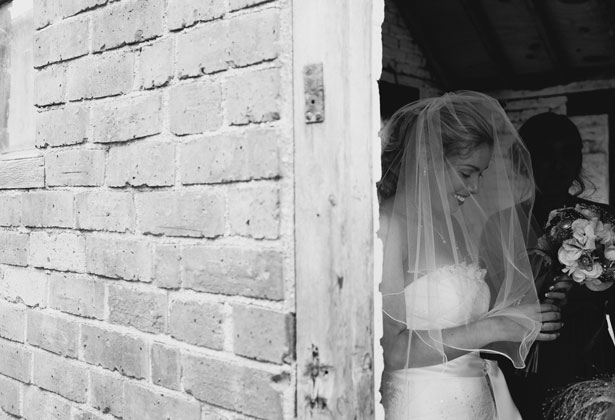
<point x="555" y="51"/>
<point x="489" y="38"/>
<point x="409" y="13"/>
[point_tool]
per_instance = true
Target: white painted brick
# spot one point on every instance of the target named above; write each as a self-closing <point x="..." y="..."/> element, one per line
<point x="253" y="38"/>
<point x="198" y="323"/>
<point x="253" y="97"/>
<point x="143" y="310"/>
<point x="242" y="4"/>
<point x="10" y="396"/>
<point x="254" y="211"/>
<point x="62" y="127"/>
<point x="11" y="209"/>
<point x="68" y="39"/>
<point x="162" y="406"/>
<point x="14" y="248"/>
<point x="24" y="286"/>
<point x="75" y="168"/>
<point x="203" y="50"/>
<point x="195" y="214"/>
<point x="61" y="376"/>
<point x="48" y="209"/>
<point x="107" y="393"/>
<point x="12" y="322"/>
<point x="233" y="271"/>
<point x="59" y="251"/>
<point x="232" y="157"/>
<point x="195" y="108"/>
<point x="15" y="361"/>
<point x="50" y="85"/>
<point x="155" y="67"/>
<point x="167" y="266"/>
<point x="127" y="22"/>
<point x="114" y="351"/>
<point x="77" y="294"/>
<point x="104" y="210"/>
<point x="124" y="258"/>
<point x="183" y="13"/>
<point x="141" y="163"/>
<point x="53" y="333"/>
<point x="96" y="76"/>
<point x="127" y="119"/>
<point x="37" y="401"/>
<point x="23" y="173"/>
<point x="165" y="366"/>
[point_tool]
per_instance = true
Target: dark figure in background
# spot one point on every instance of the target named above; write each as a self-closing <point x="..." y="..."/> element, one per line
<point x="584" y="348"/>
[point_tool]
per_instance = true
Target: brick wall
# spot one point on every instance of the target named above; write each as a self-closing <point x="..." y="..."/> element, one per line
<point x="147" y="245"/>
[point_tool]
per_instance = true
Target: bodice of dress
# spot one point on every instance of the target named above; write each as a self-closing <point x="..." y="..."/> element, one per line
<point x="447" y="297"/>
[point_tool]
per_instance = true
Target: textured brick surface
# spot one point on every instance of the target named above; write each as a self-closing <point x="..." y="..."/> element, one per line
<point x="141" y="163"/>
<point x="50" y="85"/>
<point x="12" y="322"/>
<point x="15" y="361"/>
<point x="233" y="271"/>
<point x="10" y="396"/>
<point x="75" y="168"/>
<point x="184" y="13"/>
<point x="103" y="210"/>
<point x="161" y="406"/>
<point x="195" y="214"/>
<point x="107" y="393"/>
<point x="62" y="251"/>
<point x="98" y="77"/>
<point x="77" y="294"/>
<point x="165" y="366"/>
<point x="216" y="382"/>
<point x="203" y="50"/>
<point x="167" y="266"/>
<point x="155" y="64"/>
<point x="195" y="108"/>
<point x="14" y="249"/>
<point x="48" y="209"/>
<point x="232" y="157"/>
<point x="11" y="209"/>
<point x="59" y="42"/>
<point x="253" y="211"/>
<point x="61" y="376"/>
<point x="62" y="127"/>
<point x="254" y="97"/>
<point x="36" y="401"/>
<point x="52" y="333"/>
<point x="128" y="119"/>
<point x="128" y="259"/>
<point x="261" y="45"/>
<point x="143" y="310"/>
<point x="198" y="323"/>
<point x="24" y="286"/>
<point x="115" y="351"/>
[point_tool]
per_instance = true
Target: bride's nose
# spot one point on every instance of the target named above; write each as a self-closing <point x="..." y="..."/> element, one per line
<point x="472" y="185"/>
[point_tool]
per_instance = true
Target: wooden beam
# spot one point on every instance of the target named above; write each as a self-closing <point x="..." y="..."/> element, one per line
<point x="489" y="38"/>
<point x="410" y="15"/>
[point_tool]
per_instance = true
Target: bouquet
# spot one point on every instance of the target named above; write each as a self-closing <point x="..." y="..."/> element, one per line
<point x="580" y="242"/>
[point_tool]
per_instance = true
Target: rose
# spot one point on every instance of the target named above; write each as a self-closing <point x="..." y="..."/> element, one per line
<point x="583" y="232"/>
<point x="604" y="233"/>
<point x="580" y="274"/>
<point x="569" y="252"/>
<point x="609" y="253"/>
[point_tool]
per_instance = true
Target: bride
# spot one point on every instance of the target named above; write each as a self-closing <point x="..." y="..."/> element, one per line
<point x="447" y="297"/>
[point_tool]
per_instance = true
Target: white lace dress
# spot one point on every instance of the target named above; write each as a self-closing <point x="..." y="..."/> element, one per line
<point x="465" y="388"/>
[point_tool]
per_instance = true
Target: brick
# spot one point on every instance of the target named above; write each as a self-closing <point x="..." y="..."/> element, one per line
<point x="14" y="249"/>
<point x="104" y="210"/>
<point x="184" y="13"/>
<point x="143" y="310"/>
<point x="77" y="294"/>
<point x="52" y="333"/>
<point x="167" y="266"/>
<point x="62" y="127"/>
<point x="15" y="361"/>
<point x="97" y="76"/>
<point x="61" y="251"/>
<point x="12" y="322"/>
<point x="253" y="97"/>
<point x="262" y="334"/>
<point x="107" y="393"/>
<point x="123" y="258"/>
<point x="242" y="4"/>
<point x="23" y="173"/>
<point x="141" y="163"/>
<point x="195" y="214"/>
<point x="65" y="40"/>
<point x="127" y="119"/>
<point x="161" y="406"/>
<point x="198" y="323"/>
<point x="155" y="67"/>
<point x="231" y="157"/>
<point x="24" y="286"/>
<point x="50" y="85"/>
<point x="127" y="22"/>
<point x="36" y="401"/>
<point x="233" y="271"/>
<point x="203" y="50"/>
<point x="262" y="43"/>
<point x="50" y="11"/>
<point x="195" y="108"/>
<point x="254" y="211"/>
<point x="165" y="366"/>
<point x="48" y="209"/>
<point x="115" y="351"/>
<point x="88" y="415"/>
<point x="11" y="210"/>
<point x="239" y="388"/>
<point x="62" y="376"/>
<point x="75" y="168"/>
<point x="10" y="396"/>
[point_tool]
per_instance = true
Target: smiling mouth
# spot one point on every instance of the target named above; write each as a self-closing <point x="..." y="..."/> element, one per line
<point x="460" y="198"/>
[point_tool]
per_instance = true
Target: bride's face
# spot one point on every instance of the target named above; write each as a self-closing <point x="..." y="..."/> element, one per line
<point x="465" y="173"/>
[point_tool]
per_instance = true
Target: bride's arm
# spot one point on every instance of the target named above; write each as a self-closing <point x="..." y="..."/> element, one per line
<point x="405" y="349"/>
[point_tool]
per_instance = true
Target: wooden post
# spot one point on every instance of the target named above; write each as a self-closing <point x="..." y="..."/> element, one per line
<point x="335" y="207"/>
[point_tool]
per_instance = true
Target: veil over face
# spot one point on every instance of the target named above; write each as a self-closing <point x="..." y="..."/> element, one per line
<point x="443" y="212"/>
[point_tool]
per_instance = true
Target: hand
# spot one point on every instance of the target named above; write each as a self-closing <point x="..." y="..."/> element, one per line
<point x="551" y="322"/>
<point x="558" y="292"/>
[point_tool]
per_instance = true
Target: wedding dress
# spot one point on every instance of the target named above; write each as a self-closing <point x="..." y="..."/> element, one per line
<point x="465" y="388"/>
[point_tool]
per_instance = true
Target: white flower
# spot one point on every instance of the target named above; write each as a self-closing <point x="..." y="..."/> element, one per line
<point x="609" y="253"/>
